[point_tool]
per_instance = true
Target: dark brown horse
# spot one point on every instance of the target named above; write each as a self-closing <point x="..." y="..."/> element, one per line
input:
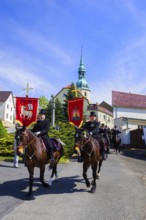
<point x="89" y="149"/>
<point x="116" y="142"/>
<point x="35" y="154"/>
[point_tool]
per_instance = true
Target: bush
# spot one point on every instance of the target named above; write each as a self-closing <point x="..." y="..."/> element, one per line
<point x="65" y="133"/>
<point x="3" y="130"/>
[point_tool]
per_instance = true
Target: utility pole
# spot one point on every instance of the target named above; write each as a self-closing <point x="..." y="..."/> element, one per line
<point x="53" y="111"/>
<point x="27" y="89"/>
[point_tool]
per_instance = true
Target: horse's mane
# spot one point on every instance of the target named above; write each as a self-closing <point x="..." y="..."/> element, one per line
<point x="30" y="132"/>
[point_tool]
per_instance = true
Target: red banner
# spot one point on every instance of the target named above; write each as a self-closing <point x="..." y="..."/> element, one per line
<point x="26" y="110"/>
<point x="75" y="111"/>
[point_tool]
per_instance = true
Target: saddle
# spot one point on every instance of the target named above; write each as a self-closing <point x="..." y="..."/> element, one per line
<point x="55" y="143"/>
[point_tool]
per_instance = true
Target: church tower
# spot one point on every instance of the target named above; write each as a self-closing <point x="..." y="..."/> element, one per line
<point x="82" y="84"/>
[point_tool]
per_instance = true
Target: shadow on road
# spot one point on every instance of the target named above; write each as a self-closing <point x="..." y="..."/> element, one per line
<point x="19" y="188"/>
<point x="135" y="154"/>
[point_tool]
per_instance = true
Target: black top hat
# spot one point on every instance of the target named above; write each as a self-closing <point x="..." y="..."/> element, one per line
<point x="92" y="114"/>
<point x="43" y="112"/>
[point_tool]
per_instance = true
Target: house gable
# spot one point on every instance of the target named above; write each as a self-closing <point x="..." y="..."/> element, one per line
<point x="7" y="107"/>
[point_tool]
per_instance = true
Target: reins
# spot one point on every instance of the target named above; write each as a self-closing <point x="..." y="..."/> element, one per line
<point x="82" y="147"/>
<point x="30" y="157"/>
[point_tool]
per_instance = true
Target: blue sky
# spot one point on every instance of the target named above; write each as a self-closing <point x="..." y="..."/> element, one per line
<point x="41" y="40"/>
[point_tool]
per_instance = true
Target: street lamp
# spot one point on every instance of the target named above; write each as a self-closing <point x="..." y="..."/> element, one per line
<point x="53" y="111"/>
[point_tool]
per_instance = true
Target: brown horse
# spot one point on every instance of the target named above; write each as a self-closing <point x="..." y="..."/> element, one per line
<point x="89" y="149"/>
<point x="35" y="154"/>
<point x="116" y="142"/>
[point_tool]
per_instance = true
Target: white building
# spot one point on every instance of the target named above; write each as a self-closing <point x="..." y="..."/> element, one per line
<point x="7" y="108"/>
<point x="129" y="113"/>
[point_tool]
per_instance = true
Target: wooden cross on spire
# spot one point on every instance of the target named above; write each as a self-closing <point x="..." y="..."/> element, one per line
<point x="27" y="89"/>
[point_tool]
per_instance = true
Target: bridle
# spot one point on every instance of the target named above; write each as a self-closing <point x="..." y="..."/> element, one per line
<point x="82" y="146"/>
<point x="25" y="147"/>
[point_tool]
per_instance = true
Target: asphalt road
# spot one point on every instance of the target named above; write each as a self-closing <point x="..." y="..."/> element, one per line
<point x="120" y="194"/>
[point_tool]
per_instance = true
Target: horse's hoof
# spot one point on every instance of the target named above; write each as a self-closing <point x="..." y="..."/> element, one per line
<point x="45" y="185"/>
<point x="88" y="184"/>
<point x="80" y="160"/>
<point x="29" y="193"/>
<point x="93" y="189"/>
<point x="98" y="176"/>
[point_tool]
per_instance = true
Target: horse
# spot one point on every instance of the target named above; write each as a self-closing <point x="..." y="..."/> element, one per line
<point x="35" y="154"/>
<point x="89" y="149"/>
<point x="116" y="142"/>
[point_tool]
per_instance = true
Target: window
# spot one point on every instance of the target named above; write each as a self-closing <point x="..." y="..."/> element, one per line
<point x="104" y="117"/>
<point x="7" y="115"/>
<point x="85" y="94"/>
<point x="7" y="106"/>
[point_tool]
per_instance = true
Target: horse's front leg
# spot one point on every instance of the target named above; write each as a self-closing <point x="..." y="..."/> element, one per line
<point x="94" y="170"/>
<point x="42" y="171"/>
<point x="99" y="167"/>
<point x="85" y="168"/>
<point x="31" y="173"/>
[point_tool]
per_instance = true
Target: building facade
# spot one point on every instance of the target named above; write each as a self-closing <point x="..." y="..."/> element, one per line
<point x="7" y="108"/>
<point x="129" y="112"/>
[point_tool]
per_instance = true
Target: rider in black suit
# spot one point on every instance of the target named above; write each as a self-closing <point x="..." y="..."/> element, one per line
<point x="41" y="129"/>
<point x="92" y="128"/>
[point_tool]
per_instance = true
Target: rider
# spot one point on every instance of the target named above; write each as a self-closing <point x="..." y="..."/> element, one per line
<point x="115" y="131"/>
<point x="16" y="157"/>
<point x="41" y="129"/>
<point x="92" y="126"/>
<point x="104" y="131"/>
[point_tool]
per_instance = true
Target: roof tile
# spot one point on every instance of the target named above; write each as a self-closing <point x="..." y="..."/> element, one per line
<point x="123" y="99"/>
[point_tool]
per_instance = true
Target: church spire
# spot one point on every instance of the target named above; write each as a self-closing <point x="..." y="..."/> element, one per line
<point x="81" y="70"/>
<point x="82" y="83"/>
<point x="81" y="59"/>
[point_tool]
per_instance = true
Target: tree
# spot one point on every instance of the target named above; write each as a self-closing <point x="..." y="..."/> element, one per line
<point x="58" y="111"/>
<point x="43" y="102"/>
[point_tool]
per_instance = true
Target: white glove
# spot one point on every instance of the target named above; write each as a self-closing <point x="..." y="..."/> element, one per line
<point x="37" y="133"/>
<point x="90" y="133"/>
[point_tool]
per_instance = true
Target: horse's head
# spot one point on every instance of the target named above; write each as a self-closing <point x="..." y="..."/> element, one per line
<point x="24" y="138"/>
<point x="19" y="139"/>
<point x="79" y="138"/>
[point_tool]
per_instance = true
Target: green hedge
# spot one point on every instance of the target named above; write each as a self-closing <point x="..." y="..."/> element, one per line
<point x="3" y="130"/>
<point x="65" y="133"/>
